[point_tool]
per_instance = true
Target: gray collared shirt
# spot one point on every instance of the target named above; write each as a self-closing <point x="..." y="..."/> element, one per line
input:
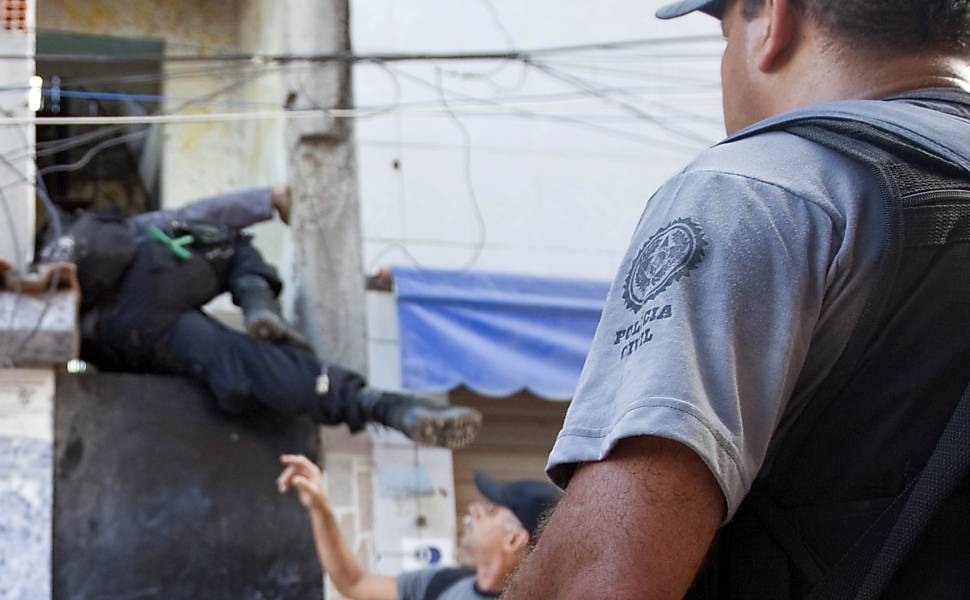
<point x="414" y="586"/>
<point x="737" y="295"/>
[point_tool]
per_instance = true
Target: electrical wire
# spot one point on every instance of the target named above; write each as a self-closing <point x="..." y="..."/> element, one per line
<point x="489" y="75"/>
<point x="585" y="85"/>
<point x="631" y="50"/>
<point x="154" y="76"/>
<point x="447" y="107"/>
<point x="712" y="84"/>
<point x="467" y="174"/>
<point x="168" y="118"/>
<point x="617" y="133"/>
<point x="397" y="106"/>
<point x="11" y="358"/>
<point x="7" y="361"/>
<point x="693" y="116"/>
<point x="83" y="138"/>
<point x="652" y="58"/>
<point x="152" y="98"/>
<point x="442" y="92"/>
<point x="74" y="141"/>
<point x="20" y="253"/>
<point x="585" y="92"/>
<point x="344" y="114"/>
<point x="497" y="21"/>
<point x="91" y="153"/>
<point x="349" y="57"/>
<point x="54" y="215"/>
<point x="55" y="277"/>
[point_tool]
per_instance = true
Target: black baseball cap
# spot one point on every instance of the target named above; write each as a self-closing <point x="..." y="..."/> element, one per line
<point x="528" y="500"/>
<point x="715" y="8"/>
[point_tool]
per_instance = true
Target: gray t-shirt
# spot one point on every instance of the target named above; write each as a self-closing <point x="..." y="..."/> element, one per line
<point x="414" y="585"/>
<point x="737" y="295"/>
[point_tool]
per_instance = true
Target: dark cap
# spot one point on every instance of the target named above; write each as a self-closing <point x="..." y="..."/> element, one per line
<point x="528" y="500"/>
<point x="715" y="8"/>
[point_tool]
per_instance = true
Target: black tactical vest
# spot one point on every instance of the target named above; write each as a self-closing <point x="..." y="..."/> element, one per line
<point x="867" y="496"/>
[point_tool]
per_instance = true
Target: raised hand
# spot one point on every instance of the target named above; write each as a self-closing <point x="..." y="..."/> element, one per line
<point x="305" y="476"/>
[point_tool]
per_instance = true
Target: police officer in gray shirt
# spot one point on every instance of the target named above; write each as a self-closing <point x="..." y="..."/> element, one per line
<point x="730" y="321"/>
<point x="498" y="531"/>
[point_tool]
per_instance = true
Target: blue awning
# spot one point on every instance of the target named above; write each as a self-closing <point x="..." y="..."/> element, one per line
<point x="497" y="334"/>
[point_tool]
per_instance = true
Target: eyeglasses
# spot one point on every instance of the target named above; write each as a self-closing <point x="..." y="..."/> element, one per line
<point x="484" y="508"/>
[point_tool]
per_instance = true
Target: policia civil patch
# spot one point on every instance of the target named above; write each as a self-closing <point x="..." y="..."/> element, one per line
<point x="668" y="255"/>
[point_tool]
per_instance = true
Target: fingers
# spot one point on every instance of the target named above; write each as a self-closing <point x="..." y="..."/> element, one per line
<point x="304" y="485"/>
<point x="299" y="461"/>
<point x="285" y="479"/>
<point x="296" y="465"/>
<point x="281" y="201"/>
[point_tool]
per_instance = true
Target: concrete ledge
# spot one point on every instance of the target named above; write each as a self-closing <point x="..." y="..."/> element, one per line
<point x="39" y="328"/>
<point x="44" y="338"/>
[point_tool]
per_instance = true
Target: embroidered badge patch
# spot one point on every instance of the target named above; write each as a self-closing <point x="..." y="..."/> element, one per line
<point x="668" y="255"/>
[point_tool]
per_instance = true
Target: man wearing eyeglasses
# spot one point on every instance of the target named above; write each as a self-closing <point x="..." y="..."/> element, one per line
<point x="497" y="532"/>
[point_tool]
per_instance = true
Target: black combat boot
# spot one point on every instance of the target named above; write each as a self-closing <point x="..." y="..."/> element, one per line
<point x="421" y="419"/>
<point x="262" y="314"/>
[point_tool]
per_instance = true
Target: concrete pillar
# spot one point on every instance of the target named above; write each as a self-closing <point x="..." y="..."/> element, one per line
<point x="26" y="396"/>
<point x="18" y="217"/>
<point x="329" y="292"/>
<point x="328" y="265"/>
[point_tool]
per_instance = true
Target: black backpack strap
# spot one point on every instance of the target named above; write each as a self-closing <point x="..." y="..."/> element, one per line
<point x="869" y="566"/>
<point x="883" y="152"/>
<point x="444" y="579"/>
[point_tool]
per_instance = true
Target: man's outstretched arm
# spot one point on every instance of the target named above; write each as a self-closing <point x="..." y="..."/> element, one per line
<point x="634" y="526"/>
<point x="237" y="209"/>
<point x="335" y="556"/>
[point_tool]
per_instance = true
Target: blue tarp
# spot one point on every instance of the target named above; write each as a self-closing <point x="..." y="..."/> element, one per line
<point x="497" y="334"/>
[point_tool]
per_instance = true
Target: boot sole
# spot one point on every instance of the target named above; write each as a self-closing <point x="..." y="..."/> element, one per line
<point x="266" y="327"/>
<point x="454" y="427"/>
<point x="272" y="329"/>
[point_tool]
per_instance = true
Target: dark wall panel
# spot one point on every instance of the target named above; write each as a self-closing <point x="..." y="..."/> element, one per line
<point x="158" y="495"/>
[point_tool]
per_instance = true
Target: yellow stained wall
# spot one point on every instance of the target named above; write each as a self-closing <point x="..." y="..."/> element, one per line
<point x="199" y="158"/>
<point x="202" y="159"/>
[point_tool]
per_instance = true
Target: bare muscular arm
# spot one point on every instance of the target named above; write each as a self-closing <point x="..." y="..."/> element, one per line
<point x="636" y="525"/>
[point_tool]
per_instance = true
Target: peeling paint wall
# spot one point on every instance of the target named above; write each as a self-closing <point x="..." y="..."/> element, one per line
<point x="201" y="159"/>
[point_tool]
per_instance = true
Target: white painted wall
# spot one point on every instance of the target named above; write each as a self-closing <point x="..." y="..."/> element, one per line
<point x="18" y="215"/>
<point x="556" y="198"/>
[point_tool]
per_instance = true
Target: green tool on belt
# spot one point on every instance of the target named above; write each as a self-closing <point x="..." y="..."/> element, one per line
<point x="175" y="245"/>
